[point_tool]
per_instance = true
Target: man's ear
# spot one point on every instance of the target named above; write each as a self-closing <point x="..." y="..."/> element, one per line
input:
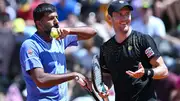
<point x="39" y="24"/>
<point x="109" y="18"/>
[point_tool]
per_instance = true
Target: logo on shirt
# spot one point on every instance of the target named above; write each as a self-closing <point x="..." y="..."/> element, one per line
<point x="30" y="51"/>
<point x="149" y="52"/>
<point x="129" y="48"/>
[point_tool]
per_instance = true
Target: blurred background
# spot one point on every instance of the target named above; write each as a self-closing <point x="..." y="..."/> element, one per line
<point x="158" y="18"/>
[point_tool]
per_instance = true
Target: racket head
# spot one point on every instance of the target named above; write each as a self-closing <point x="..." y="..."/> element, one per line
<point x="97" y="76"/>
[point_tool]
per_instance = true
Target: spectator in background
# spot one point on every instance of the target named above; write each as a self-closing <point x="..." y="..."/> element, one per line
<point x="95" y="21"/>
<point x="4" y="7"/>
<point x="74" y="21"/>
<point x="147" y="23"/>
<point x="24" y="10"/>
<point x="7" y="45"/>
<point x="168" y="11"/>
<point x="22" y="30"/>
<point x="102" y="32"/>
<point x="154" y="26"/>
<point x="66" y="7"/>
<point x="84" y="55"/>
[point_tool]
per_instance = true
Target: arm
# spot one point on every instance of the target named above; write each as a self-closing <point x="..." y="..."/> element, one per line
<point x="106" y="76"/>
<point x="172" y="39"/>
<point x="82" y="33"/>
<point x="154" y="58"/>
<point x="159" y="68"/>
<point x="43" y="79"/>
<point x="107" y="79"/>
<point x="152" y="55"/>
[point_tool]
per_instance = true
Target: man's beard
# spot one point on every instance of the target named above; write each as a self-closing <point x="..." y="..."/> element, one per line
<point x="47" y="32"/>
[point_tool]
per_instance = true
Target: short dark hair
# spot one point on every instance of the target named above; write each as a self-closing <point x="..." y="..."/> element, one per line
<point x="41" y="9"/>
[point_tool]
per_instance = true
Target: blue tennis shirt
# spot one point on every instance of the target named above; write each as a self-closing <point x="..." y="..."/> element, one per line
<point x="36" y="53"/>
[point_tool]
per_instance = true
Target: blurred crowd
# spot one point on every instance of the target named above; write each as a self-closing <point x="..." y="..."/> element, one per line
<point x="158" y="18"/>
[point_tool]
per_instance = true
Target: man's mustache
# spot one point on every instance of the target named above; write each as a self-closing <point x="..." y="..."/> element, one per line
<point x="56" y="26"/>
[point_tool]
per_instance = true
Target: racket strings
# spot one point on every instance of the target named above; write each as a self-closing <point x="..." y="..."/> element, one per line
<point x="97" y="76"/>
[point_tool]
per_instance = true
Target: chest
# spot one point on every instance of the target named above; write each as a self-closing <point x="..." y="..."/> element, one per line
<point x="123" y="57"/>
<point x="52" y="56"/>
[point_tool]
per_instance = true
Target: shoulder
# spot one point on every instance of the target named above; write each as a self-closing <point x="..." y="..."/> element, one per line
<point x="110" y="41"/>
<point x="137" y="34"/>
<point x="30" y="42"/>
<point x="140" y="36"/>
<point x="107" y="45"/>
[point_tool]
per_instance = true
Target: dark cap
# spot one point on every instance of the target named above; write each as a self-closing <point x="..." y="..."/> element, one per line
<point x="117" y="5"/>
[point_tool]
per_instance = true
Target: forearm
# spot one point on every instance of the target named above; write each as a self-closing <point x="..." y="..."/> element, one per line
<point x="83" y="33"/>
<point x="160" y="72"/>
<point x="48" y="80"/>
<point x="107" y="79"/>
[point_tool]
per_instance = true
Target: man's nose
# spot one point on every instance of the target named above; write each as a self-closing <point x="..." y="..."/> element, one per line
<point x="56" y="22"/>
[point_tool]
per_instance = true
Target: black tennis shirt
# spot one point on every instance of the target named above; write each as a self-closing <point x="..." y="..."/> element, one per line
<point x="117" y="58"/>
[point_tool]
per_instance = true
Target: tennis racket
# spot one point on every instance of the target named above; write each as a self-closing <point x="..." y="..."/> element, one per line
<point x="97" y="77"/>
<point x="92" y="93"/>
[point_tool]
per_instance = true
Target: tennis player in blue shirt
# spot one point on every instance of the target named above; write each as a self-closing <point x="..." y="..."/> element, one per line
<point x="43" y="60"/>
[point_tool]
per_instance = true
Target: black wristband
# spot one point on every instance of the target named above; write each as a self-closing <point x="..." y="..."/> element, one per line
<point x="148" y="73"/>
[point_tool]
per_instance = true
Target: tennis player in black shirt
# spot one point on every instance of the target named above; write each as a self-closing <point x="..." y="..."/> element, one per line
<point x="130" y="58"/>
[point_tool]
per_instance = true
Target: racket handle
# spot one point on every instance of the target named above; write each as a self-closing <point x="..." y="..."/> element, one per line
<point x="80" y="81"/>
<point x="106" y="99"/>
<point x="94" y="96"/>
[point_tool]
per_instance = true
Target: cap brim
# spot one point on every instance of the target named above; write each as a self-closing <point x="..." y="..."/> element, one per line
<point x="128" y="6"/>
<point x="114" y="7"/>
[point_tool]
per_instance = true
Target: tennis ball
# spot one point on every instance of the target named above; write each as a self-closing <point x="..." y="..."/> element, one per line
<point x="54" y="33"/>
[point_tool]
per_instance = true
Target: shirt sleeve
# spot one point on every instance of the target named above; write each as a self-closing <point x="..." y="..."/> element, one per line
<point x="29" y="56"/>
<point x="102" y="61"/>
<point x="70" y="40"/>
<point x="150" y="49"/>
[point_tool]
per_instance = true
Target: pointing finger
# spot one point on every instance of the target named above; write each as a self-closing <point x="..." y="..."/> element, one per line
<point x="130" y="73"/>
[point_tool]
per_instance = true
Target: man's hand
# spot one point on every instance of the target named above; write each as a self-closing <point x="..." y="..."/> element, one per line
<point x="106" y="94"/>
<point x="137" y="74"/>
<point x="83" y="81"/>
<point x="63" y="32"/>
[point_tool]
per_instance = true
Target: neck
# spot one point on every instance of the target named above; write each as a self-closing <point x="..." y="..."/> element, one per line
<point x="121" y="36"/>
